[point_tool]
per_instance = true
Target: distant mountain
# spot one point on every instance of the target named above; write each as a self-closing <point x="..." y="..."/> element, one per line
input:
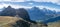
<point x="53" y="19"/>
<point x="41" y="14"/>
<point x="34" y="13"/>
<point x="9" y="11"/>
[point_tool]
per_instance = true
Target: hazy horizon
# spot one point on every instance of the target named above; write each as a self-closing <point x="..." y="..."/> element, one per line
<point x="49" y="4"/>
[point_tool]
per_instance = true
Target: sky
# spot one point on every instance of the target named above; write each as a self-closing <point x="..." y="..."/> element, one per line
<point x="49" y="4"/>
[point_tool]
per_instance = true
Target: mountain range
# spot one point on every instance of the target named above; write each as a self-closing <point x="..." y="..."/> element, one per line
<point x="44" y="14"/>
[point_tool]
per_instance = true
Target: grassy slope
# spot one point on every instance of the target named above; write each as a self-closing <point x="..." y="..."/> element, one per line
<point x="54" y="24"/>
<point x="6" y="21"/>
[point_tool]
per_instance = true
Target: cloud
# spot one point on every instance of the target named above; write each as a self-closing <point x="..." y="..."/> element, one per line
<point x="46" y="0"/>
<point x="57" y="10"/>
<point x="31" y="3"/>
<point x="53" y="1"/>
<point x="4" y="0"/>
<point x="13" y="6"/>
<point x="21" y="6"/>
<point x="3" y="5"/>
<point x="18" y="0"/>
<point x="12" y="0"/>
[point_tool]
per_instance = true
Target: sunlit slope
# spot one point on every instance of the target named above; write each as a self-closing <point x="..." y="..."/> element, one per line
<point x="6" y="21"/>
<point x="54" y="24"/>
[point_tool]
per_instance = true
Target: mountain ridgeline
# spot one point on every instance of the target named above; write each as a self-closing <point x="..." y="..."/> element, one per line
<point x="33" y="14"/>
<point x="43" y="15"/>
<point x="21" y="12"/>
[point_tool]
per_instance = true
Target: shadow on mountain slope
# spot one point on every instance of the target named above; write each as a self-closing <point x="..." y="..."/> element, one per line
<point x="52" y="19"/>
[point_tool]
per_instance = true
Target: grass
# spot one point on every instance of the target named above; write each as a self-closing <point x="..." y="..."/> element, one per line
<point x="6" y="21"/>
<point x="54" y="24"/>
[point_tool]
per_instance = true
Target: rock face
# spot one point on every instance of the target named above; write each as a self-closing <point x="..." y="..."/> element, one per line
<point x="23" y="14"/>
<point x="9" y="11"/>
<point x="21" y="23"/>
